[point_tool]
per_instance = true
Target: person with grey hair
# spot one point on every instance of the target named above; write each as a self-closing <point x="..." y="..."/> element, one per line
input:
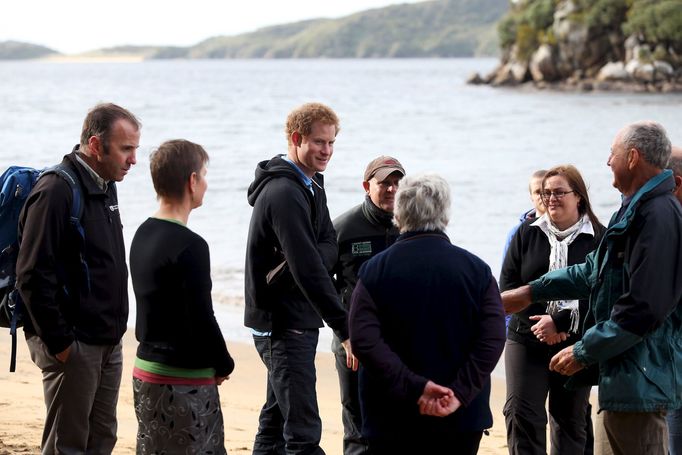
<point x="633" y="330"/>
<point x="427" y="324"/>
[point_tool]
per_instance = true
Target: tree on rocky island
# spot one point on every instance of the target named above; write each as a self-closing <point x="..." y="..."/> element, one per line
<point x="605" y="44"/>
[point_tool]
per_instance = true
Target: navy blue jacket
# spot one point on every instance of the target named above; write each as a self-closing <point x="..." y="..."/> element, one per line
<point x="423" y="310"/>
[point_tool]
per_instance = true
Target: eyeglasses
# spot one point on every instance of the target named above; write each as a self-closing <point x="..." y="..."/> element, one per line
<point x="386" y="184"/>
<point x="559" y="194"/>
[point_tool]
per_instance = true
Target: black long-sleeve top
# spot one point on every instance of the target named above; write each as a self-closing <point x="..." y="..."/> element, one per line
<point x="528" y="259"/>
<point x="170" y="268"/>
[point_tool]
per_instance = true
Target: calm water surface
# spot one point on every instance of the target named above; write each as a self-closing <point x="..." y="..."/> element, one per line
<point x="485" y="141"/>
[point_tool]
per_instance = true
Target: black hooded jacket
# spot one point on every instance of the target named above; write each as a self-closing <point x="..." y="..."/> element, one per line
<point x="290" y="252"/>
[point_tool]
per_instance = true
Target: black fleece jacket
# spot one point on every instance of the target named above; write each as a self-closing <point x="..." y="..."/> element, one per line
<point x="528" y="259"/>
<point x="362" y="232"/>
<point x="289" y="224"/>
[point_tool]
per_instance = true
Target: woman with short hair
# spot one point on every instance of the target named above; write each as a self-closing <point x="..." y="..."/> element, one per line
<point x="182" y="356"/>
<point x="427" y="324"/>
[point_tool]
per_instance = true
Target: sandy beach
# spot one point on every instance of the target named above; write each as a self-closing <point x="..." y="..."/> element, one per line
<point x="22" y="409"/>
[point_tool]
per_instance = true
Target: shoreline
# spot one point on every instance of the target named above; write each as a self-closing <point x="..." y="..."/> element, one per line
<point x="123" y="58"/>
<point x="23" y="410"/>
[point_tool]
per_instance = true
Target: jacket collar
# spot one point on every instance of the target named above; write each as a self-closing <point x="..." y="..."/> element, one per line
<point x="86" y="180"/>
<point x="375" y="215"/>
<point x="656" y="186"/>
<point x="413" y="235"/>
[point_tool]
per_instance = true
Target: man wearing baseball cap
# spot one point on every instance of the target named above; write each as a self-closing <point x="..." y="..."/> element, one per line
<point x="362" y="232"/>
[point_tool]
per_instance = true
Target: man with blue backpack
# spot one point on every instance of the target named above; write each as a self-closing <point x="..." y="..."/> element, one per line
<point x="72" y="277"/>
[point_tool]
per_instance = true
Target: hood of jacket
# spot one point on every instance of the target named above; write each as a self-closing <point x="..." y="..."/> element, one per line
<point x="273" y="168"/>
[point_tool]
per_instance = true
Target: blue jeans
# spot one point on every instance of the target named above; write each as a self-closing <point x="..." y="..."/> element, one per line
<point x="289" y="421"/>
<point x="674" y="419"/>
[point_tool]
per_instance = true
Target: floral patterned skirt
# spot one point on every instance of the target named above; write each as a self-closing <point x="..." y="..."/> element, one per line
<point x="178" y="419"/>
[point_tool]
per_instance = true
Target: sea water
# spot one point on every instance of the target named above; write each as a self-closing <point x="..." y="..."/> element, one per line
<point x="486" y="142"/>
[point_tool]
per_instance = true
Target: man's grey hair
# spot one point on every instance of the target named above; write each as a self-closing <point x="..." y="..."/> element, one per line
<point x="422" y="203"/>
<point x="651" y="140"/>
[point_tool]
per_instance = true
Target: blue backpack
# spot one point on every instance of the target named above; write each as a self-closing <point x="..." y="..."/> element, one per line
<point x="16" y="184"/>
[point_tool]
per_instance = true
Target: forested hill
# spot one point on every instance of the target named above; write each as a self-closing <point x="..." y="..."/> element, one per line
<point x="14" y="50"/>
<point x="436" y="28"/>
<point x="440" y="28"/>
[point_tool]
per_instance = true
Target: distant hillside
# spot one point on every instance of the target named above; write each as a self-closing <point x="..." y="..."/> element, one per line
<point x="437" y="28"/>
<point x="440" y="28"/>
<point x="14" y="50"/>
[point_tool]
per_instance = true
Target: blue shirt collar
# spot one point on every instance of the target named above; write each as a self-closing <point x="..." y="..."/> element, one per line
<point x="307" y="181"/>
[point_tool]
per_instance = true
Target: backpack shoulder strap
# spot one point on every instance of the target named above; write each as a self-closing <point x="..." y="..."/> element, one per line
<point x="72" y="179"/>
<point x="77" y="209"/>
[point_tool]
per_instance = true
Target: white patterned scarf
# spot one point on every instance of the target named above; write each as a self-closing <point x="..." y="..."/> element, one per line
<point x="559" y="242"/>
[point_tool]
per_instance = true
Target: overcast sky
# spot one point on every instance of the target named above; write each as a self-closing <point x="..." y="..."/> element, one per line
<point x="73" y="26"/>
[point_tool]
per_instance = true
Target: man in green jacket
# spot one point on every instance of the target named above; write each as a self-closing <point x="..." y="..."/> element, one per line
<point x="633" y="331"/>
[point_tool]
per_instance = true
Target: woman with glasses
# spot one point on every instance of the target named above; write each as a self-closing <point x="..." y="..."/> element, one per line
<point x="182" y="358"/>
<point x="563" y="236"/>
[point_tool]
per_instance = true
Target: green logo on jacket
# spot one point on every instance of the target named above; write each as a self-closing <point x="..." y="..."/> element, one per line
<point x="361" y="248"/>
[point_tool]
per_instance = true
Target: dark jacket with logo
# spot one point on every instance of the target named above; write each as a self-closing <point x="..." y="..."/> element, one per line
<point x="290" y="252"/>
<point x="362" y="232"/>
<point x="50" y="277"/>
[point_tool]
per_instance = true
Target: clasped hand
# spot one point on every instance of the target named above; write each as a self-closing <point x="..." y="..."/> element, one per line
<point x="545" y="330"/>
<point x="437" y="400"/>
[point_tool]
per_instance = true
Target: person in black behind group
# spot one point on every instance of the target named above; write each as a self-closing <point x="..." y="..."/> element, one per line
<point x="182" y="357"/>
<point x="427" y="324"/>
<point x="362" y="232"/>
<point x="562" y="236"/>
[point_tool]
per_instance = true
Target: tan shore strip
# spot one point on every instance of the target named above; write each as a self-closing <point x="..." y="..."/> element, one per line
<point x="22" y="409"/>
<point x="122" y="58"/>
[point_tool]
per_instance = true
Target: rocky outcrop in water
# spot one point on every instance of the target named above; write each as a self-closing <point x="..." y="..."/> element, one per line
<point x="591" y="45"/>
